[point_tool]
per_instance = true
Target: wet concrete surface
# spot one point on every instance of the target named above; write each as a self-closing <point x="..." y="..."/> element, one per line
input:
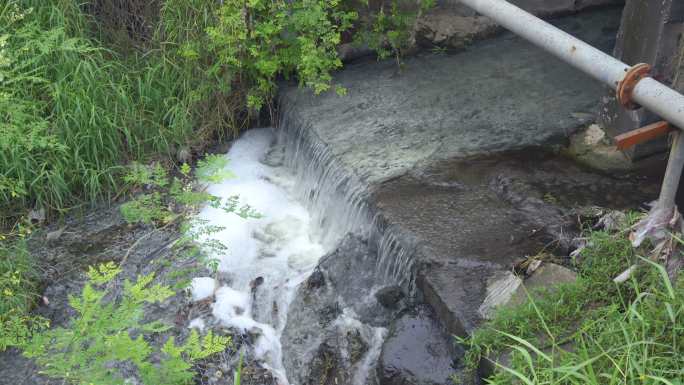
<point x="501" y="94"/>
<point x="475" y="217"/>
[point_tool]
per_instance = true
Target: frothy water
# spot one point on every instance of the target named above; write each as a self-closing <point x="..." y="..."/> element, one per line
<point x="266" y="258"/>
<point x="307" y="203"/>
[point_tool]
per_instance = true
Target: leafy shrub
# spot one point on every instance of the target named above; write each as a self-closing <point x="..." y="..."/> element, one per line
<point x="387" y="27"/>
<point x="108" y="335"/>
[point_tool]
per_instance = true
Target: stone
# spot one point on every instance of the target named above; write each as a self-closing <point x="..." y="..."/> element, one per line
<point x="593" y="148"/>
<point x="447" y="30"/>
<point x="417" y="351"/>
<point x="335" y="325"/>
<point x="500" y="288"/>
<point x="548" y="276"/>
<point x="455" y="26"/>
<point x="389" y="296"/>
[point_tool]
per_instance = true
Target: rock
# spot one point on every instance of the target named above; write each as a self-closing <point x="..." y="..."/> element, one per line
<point x="448" y="30"/>
<point x="36" y="215"/>
<point x="389" y="296"/>
<point x="335" y="324"/>
<point x="53" y="236"/>
<point x="348" y="52"/>
<point x="417" y="351"/>
<point x="592" y="148"/>
<point x="500" y="288"/>
<point x="456" y="26"/>
<point x="315" y="280"/>
<point x="613" y="221"/>
<point x="547" y="276"/>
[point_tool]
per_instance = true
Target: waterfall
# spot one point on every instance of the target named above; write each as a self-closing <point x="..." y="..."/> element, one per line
<point x="338" y="200"/>
<point x="308" y="202"/>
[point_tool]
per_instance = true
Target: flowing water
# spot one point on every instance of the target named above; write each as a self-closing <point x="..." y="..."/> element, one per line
<point x="306" y="205"/>
<point x="266" y="258"/>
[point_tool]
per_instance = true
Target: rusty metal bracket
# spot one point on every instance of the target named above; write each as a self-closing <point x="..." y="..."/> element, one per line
<point x="626" y="86"/>
<point x="643" y="134"/>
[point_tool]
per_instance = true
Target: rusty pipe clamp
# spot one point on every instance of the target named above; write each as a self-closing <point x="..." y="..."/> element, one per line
<point x="623" y="93"/>
<point x="626" y="86"/>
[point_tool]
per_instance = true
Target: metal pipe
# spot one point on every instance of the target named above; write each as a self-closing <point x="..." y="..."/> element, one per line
<point x="649" y="93"/>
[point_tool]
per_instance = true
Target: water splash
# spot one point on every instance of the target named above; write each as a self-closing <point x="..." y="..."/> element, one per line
<point x="338" y="201"/>
<point x="308" y="202"/>
<point x="266" y="258"/>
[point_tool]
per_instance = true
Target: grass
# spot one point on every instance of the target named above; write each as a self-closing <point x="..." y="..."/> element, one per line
<point x="73" y="112"/>
<point x="593" y="331"/>
<point x="18" y="295"/>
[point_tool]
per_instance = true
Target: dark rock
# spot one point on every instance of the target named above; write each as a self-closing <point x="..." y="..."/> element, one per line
<point x="315" y="280"/>
<point x="389" y="296"/>
<point x="334" y="327"/>
<point x="418" y="351"/>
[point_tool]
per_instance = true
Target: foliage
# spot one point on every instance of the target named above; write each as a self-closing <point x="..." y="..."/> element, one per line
<point x="593" y="331"/>
<point x="165" y="205"/>
<point x="184" y="195"/>
<point x="388" y="27"/>
<point x="72" y="111"/>
<point x="259" y="39"/>
<point x="106" y="336"/>
<point x="18" y="294"/>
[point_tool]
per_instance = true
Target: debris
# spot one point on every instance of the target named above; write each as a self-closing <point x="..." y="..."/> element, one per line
<point x="625" y="275"/>
<point x="656" y="225"/>
<point x="532" y="266"/>
<point x="612" y="221"/>
<point x="36" y="215"/>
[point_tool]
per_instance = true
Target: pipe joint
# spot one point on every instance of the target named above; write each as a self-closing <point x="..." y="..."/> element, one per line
<point x="626" y="86"/>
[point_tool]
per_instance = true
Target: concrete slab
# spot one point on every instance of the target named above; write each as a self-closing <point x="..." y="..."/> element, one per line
<point x="501" y="94"/>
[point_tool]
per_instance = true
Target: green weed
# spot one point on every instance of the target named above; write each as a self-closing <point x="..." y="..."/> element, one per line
<point x="108" y="334"/>
<point x="18" y="295"/>
<point x="593" y="331"/>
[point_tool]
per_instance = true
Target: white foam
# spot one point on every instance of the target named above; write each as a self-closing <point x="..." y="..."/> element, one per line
<point x="197" y="323"/>
<point x="281" y="247"/>
<point x="202" y="288"/>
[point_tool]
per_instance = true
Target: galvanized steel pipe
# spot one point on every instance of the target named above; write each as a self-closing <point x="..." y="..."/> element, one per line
<point x="649" y="93"/>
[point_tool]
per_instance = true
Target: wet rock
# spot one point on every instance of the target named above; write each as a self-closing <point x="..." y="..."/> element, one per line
<point x="418" y="352"/>
<point x="315" y="280"/>
<point x="389" y="296"/>
<point x="593" y="148"/>
<point x="335" y="324"/>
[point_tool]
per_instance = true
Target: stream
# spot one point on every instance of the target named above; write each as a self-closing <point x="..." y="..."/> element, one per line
<point x="267" y="258"/>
